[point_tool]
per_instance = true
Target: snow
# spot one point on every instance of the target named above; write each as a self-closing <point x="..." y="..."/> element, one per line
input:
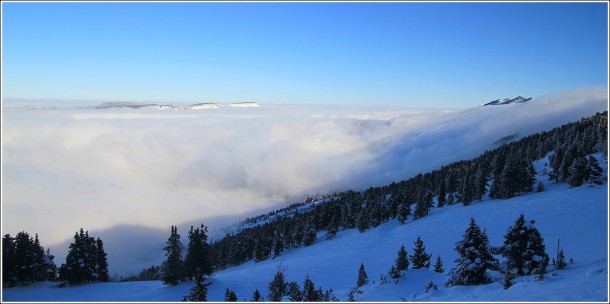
<point x="577" y="216"/>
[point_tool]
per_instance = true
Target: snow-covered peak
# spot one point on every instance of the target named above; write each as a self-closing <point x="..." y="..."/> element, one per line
<point x="505" y="101"/>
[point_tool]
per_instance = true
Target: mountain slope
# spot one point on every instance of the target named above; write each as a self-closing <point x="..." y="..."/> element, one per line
<point x="577" y="216"/>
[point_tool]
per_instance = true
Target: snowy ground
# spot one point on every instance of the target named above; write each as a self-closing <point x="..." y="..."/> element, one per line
<point x="577" y="216"/>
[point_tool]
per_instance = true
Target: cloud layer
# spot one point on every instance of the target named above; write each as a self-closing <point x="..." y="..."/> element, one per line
<point x="144" y="170"/>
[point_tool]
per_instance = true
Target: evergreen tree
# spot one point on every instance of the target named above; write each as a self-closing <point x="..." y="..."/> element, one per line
<point x="102" y="262"/>
<point x="515" y="245"/>
<point x="51" y="268"/>
<point x="594" y="171"/>
<point x="278" y="246"/>
<point x="498" y="166"/>
<point x="172" y="267"/>
<point x="584" y="170"/>
<point x="198" y="257"/>
<point x="394" y="273"/>
<point x="404" y="210"/>
<point x="256" y="296"/>
<point x="438" y="266"/>
<point x="86" y="261"/>
<point x="560" y="264"/>
<point x="310" y="294"/>
<point x="402" y="262"/>
<point x="310" y="235"/>
<point x="40" y="262"/>
<point x="442" y="193"/>
<point x="362" y="222"/>
<point x="480" y="182"/>
<point x="423" y="206"/>
<point x="524" y="248"/>
<point x="277" y="287"/>
<point x="9" y="264"/>
<point x="80" y="265"/>
<point x="294" y="291"/>
<point x="230" y="296"/>
<point x="536" y="258"/>
<point x="467" y="189"/>
<point x="199" y="292"/>
<point x="363" y="278"/>
<point x="420" y="258"/>
<point x="25" y="258"/>
<point x="333" y="227"/>
<point x="475" y="258"/>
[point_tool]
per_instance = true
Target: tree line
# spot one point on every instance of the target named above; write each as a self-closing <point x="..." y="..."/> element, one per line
<point x="24" y="261"/>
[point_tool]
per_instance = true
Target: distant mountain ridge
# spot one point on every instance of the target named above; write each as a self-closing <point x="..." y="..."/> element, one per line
<point x="505" y="101"/>
<point x="196" y="106"/>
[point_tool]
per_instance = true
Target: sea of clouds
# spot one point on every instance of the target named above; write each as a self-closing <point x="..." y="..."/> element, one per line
<point x="127" y="175"/>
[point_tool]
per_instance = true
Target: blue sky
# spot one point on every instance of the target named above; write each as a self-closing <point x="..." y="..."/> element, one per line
<point x="398" y="54"/>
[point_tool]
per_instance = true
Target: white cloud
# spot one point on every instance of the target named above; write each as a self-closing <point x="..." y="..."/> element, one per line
<point x="100" y="169"/>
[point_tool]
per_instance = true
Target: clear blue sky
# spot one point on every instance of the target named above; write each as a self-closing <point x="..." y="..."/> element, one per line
<point x="405" y="54"/>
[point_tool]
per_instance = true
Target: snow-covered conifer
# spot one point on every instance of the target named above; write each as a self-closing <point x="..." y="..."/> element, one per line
<point x="474" y="260"/>
<point x="420" y="258"/>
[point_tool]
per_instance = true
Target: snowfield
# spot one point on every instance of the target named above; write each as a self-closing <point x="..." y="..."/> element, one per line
<point x="577" y="216"/>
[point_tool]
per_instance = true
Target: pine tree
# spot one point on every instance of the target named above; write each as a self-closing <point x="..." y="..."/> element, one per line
<point x="394" y="273"/>
<point x="277" y="287"/>
<point x="81" y="262"/>
<point x="172" y="267"/>
<point x="310" y="235"/>
<point x="480" y="182"/>
<point x="536" y="258"/>
<point x="256" y="296"/>
<point x="524" y="248"/>
<point x="333" y="227"/>
<point x="9" y="264"/>
<point x="420" y="258"/>
<point x="40" y="263"/>
<point x="578" y="172"/>
<point x="594" y="171"/>
<point x="442" y="193"/>
<point x="475" y="258"/>
<point x="25" y="258"/>
<point x="402" y="262"/>
<point x="230" y="296"/>
<point x="515" y="245"/>
<point x="467" y="189"/>
<point x="560" y="264"/>
<point x="363" y="278"/>
<point x="498" y="166"/>
<point x="438" y="266"/>
<point x="309" y="291"/>
<point x="423" y="206"/>
<point x="51" y="268"/>
<point x="362" y="222"/>
<point x="404" y="210"/>
<point x="199" y="292"/>
<point x="102" y="262"/>
<point x="198" y="257"/>
<point x="294" y="291"/>
<point x="278" y="246"/>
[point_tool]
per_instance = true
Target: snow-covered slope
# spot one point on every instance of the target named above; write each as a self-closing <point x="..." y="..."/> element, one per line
<point x="577" y="216"/>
